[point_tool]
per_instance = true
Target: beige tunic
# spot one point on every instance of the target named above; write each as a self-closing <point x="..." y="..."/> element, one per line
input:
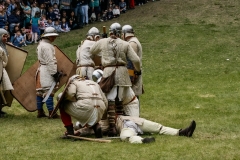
<point x="85" y="61"/>
<point x="87" y="102"/>
<point x="6" y="83"/>
<point x="109" y="46"/>
<point x="48" y="63"/>
<point x="137" y="47"/>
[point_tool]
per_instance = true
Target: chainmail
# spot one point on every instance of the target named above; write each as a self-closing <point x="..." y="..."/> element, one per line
<point x="2" y="32"/>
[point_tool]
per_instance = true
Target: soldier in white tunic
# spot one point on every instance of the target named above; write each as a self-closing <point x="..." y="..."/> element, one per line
<point x="47" y="71"/>
<point x="114" y="58"/>
<point x="84" y="101"/>
<point x="85" y="61"/>
<point x="5" y="83"/>
<point x="128" y="35"/>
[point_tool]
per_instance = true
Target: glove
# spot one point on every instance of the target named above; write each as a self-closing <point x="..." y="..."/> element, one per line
<point x="138" y="72"/>
<point x="104" y="35"/>
<point x="56" y="76"/>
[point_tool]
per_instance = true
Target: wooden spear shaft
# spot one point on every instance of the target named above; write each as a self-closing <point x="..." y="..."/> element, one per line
<point x="90" y="139"/>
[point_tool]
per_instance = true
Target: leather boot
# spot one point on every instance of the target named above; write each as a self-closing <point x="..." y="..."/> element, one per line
<point x="148" y="140"/>
<point x="69" y="131"/>
<point x="55" y="116"/>
<point x="97" y="130"/>
<point x="41" y="113"/>
<point x="189" y="130"/>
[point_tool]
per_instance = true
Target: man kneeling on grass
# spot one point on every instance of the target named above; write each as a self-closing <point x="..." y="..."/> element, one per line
<point x="85" y="101"/>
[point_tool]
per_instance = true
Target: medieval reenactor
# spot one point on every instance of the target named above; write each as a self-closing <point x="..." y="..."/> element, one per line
<point x="128" y="35"/>
<point x="114" y="60"/>
<point x="5" y="83"/>
<point x="83" y="100"/>
<point x="47" y="74"/>
<point x="85" y="61"/>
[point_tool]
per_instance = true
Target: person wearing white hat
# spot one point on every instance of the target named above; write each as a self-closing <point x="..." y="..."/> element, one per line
<point x="47" y="71"/>
<point x="85" y="102"/>
<point x="85" y="61"/>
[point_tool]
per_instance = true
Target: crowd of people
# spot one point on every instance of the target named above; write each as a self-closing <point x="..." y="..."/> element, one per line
<point x="26" y="19"/>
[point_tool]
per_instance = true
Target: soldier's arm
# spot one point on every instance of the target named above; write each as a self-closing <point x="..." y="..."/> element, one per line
<point x="71" y="92"/>
<point x="134" y="58"/>
<point x="96" y="48"/>
<point x="134" y="47"/>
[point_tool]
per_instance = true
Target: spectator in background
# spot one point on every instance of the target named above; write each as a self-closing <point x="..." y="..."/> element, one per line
<point x="12" y="5"/>
<point x="109" y="14"/>
<point x="51" y="14"/>
<point x="116" y="12"/>
<point x="27" y="13"/>
<point x="49" y="23"/>
<point x="35" y="9"/>
<point x="64" y="25"/>
<point x="53" y="2"/>
<point x="12" y="34"/>
<point x="56" y="11"/>
<point x="85" y="8"/>
<point x="65" y="5"/>
<point x="72" y="25"/>
<point x="27" y="34"/>
<point x="57" y="26"/>
<point x="64" y="15"/>
<point x="110" y="5"/>
<point x="35" y="21"/>
<point x="94" y="8"/>
<point x="3" y="17"/>
<point x="122" y="6"/>
<point x="72" y="21"/>
<point x="14" y="19"/>
<point x="131" y="4"/>
<point x="77" y="8"/>
<point x="43" y="10"/>
<point x="19" y="40"/>
<point x="43" y="24"/>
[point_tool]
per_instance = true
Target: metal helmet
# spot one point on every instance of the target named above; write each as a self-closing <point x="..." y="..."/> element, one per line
<point x="50" y="31"/>
<point x="115" y="28"/>
<point x="97" y="75"/>
<point x="127" y="29"/>
<point x="93" y="31"/>
<point x="2" y="32"/>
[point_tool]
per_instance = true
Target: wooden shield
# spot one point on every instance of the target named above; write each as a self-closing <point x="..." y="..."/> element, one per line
<point x="25" y="86"/>
<point x="16" y="60"/>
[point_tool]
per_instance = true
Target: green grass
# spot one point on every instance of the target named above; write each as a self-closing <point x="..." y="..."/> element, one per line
<point x="190" y="71"/>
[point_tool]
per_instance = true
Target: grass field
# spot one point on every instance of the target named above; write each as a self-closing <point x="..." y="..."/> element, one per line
<point x="191" y="71"/>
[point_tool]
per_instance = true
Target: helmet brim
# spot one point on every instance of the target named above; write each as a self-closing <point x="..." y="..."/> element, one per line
<point x="50" y="35"/>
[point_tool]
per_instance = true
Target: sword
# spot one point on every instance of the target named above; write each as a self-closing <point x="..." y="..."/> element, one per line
<point x="49" y="91"/>
<point x="54" y="83"/>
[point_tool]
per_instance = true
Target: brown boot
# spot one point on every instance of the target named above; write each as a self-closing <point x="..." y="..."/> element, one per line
<point x="69" y="131"/>
<point x="188" y="131"/>
<point x="55" y="116"/>
<point x="41" y="113"/>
